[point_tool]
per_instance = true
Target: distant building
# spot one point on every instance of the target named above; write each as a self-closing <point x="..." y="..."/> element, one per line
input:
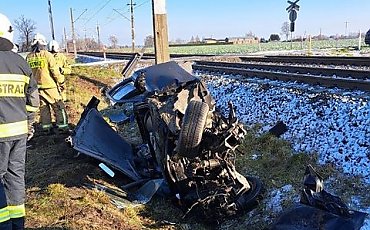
<point x="243" y="40"/>
<point x="213" y="40"/>
<point x="232" y="40"/>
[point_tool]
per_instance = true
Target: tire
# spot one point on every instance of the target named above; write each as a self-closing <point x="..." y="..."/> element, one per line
<point x="192" y="129"/>
<point x="252" y="197"/>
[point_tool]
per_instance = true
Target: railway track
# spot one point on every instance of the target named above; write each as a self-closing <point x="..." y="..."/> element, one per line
<point x="311" y="60"/>
<point x="328" y="77"/>
<point x="127" y="56"/>
<point x="330" y="71"/>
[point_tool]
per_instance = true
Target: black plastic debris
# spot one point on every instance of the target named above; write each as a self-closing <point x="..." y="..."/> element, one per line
<point x="304" y="217"/>
<point x="279" y="129"/>
<point x="319" y="209"/>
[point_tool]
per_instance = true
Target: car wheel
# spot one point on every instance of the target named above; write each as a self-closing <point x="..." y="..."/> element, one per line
<point x="250" y="199"/>
<point x="192" y="128"/>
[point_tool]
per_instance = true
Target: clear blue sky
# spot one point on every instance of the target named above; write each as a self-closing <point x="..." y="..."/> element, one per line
<point x="187" y="18"/>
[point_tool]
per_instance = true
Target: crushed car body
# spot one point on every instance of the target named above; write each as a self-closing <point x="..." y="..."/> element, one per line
<point x="185" y="140"/>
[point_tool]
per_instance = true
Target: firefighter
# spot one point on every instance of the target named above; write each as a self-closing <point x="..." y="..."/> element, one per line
<point x="19" y="100"/>
<point x="62" y="63"/>
<point x="50" y="82"/>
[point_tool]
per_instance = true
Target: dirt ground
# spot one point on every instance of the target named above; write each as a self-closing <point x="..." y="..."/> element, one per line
<point x="55" y="176"/>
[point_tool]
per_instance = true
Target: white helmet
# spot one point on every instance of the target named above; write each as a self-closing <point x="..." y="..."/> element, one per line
<point x="40" y="39"/>
<point x="53" y="46"/>
<point x="6" y="32"/>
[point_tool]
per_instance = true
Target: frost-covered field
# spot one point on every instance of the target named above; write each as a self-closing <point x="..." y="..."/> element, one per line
<point x="270" y="46"/>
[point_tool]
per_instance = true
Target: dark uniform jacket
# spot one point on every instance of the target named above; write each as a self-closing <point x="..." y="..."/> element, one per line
<point x="18" y="96"/>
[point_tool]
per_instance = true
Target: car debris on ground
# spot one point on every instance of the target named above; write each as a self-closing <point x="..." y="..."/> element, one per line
<point x="188" y="150"/>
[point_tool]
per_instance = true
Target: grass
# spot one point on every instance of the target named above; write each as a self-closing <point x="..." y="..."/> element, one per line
<point x="55" y="179"/>
<point x="241" y="49"/>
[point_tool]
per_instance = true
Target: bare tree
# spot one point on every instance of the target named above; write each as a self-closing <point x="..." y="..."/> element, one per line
<point x="285" y="30"/>
<point x="149" y="41"/>
<point x="26" y="28"/>
<point x="114" y="41"/>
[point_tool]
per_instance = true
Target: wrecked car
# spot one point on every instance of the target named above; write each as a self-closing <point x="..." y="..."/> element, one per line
<point x="185" y="140"/>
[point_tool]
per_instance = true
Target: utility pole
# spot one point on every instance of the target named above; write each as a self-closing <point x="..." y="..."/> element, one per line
<point x="51" y="21"/>
<point x="132" y="24"/>
<point x="85" y="40"/>
<point x="98" y="31"/>
<point x="73" y="30"/>
<point x="73" y="34"/>
<point x="345" y="33"/>
<point x="65" y="39"/>
<point x="160" y="31"/>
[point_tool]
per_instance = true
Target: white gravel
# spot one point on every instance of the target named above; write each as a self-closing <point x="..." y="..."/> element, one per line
<point x="334" y="123"/>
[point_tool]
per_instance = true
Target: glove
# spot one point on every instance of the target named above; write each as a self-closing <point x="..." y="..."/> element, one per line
<point x="31" y="132"/>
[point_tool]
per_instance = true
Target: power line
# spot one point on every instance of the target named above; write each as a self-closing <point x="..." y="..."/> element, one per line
<point x="101" y="8"/>
<point x="143" y="3"/>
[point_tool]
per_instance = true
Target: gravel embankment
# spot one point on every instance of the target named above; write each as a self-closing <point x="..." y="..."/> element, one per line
<point x="335" y="123"/>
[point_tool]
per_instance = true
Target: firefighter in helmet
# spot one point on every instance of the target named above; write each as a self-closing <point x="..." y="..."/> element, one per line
<point x="62" y="63"/>
<point x="19" y="100"/>
<point x="50" y="82"/>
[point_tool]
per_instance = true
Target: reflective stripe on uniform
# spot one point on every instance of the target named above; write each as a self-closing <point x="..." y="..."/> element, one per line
<point x="31" y="108"/>
<point x="37" y="62"/>
<point x="14" y="77"/>
<point x="13" y="129"/>
<point x="17" y="211"/>
<point x="12" y="85"/>
<point x="4" y="215"/>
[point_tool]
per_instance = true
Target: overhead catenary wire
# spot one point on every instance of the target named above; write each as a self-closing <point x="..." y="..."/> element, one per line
<point x="100" y="9"/>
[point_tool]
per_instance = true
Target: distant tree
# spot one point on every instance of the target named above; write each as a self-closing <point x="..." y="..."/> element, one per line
<point x="179" y="41"/>
<point x="114" y="41"/>
<point x="26" y="28"/>
<point x="192" y="39"/>
<point x="263" y="40"/>
<point x="90" y="44"/>
<point x="197" y="39"/>
<point x="274" y="37"/>
<point x="250" y="34"/>
<point x="285" y="30"/>
<point x="149" y="41"/>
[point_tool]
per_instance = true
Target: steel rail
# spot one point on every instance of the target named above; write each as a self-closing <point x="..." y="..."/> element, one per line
<point x="316" y="60"/>
<point x="326" y="81"/>
<point x="125" y="56"/>
<point x="319" y="71"/>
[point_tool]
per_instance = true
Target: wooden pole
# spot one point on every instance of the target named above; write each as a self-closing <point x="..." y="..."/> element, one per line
<point x="73" y="35"/>
<point x="51" y="21"/>
<point x="65" y="40"/>
<point x="160" y="31"/>
<point x="132" y="27"/>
